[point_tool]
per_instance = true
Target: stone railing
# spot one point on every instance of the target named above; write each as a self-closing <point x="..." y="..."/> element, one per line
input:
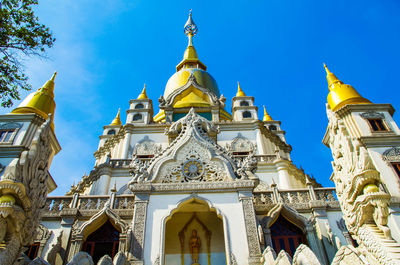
<point x="300" y="199"/>
<point x="59" y="205"/>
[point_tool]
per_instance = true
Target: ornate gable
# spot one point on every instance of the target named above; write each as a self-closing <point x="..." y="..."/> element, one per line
<point x="193" y="156"/>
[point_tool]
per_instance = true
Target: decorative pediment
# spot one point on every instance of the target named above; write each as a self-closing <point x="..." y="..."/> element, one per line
<point x="42" y="234"/>
<point x="193" y="156"/>
<point x="392" y="155"/>
<point x="98" y="220"/>
<point x="372" y="115"/>
<point x="146" y="147"/>
<point x="241" y="144"/>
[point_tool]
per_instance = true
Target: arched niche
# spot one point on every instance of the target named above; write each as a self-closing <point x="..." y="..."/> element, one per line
<point x="192" y="215"/>
<point x="82" y="231"/>
<point x="284" y="228"/>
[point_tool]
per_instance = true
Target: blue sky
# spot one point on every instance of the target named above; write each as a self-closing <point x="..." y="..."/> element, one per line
<point x="106" y="50"/>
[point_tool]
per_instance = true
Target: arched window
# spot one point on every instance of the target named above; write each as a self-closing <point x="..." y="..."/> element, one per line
<point x="137" y="117"/>
<point x="286" y="236"/>
<point x="111" y="132"/>
<point x="272" y="128"/>
<point x="244" y="103"/>
<point x="139" y="106"/>
<point x="103" y="241"/>
<point x="246" y="114"/>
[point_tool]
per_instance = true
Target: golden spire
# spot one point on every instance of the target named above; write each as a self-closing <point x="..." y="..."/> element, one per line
<point x="240" y="92"/>
<point x="266" y="117"/>
<point x="40" y="102"/>
<point x="117" y="119"/>
<point x="190" y="58"/>
<point x="143" y="95"/>
<point x="341" y="94"/>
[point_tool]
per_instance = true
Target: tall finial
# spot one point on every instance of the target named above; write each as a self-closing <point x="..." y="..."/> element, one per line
<point x="190" y="27"/>
<point x="190" y="58"/>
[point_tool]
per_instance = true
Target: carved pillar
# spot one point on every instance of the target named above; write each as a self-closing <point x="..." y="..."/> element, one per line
<point x="68" y="216"/>
<point x="246" y="198"/>
<point x="320" y="217"/>
<point x="267" y="237"/>
<point x="215" y="115"/>
<point x="103" y="183"/>
<point x="138" y="228"/>
<point x="284" y="179"/>
<point x="126" y="144"/>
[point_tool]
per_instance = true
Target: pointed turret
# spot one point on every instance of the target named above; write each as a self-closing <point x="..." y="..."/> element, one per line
<point x="143" y="95"/>
<point x="341" y="94"/>
<point x="190" y="59"/>
<point x="40" y="102"/>
<point x="117" y="119"/>
<point x="240" y="92"/>
<point x="266" y="117"/>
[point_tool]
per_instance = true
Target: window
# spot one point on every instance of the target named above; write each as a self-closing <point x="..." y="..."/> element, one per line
<point x="377" y="125"/>
<point x="396" y="166"/>
<point x="139" y="106"/>
<point x="286" y="236"/>
<point x="244" y="103"/>
<point x="272" y="128"/>
<point x="111" y="132"/>
<point x="137" y="117"/>
<point x="104" y="241"/>
<point x="246" y="114"/>
<point x="32" y="251"/>
<point x="6" y="135"/>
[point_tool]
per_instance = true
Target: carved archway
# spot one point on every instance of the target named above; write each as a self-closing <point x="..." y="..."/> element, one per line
<point x="81" y="231"/>
<point x="192" y="215"/>
<point x="284" y="228"/>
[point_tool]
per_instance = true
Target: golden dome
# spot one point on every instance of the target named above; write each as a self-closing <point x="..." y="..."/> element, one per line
<point x="40" y="102"/>
<point x="341" y="94"/>
<point x="180" y="78"/>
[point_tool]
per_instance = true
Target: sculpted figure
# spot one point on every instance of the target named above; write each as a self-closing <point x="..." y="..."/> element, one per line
<point x="194" y="246"/>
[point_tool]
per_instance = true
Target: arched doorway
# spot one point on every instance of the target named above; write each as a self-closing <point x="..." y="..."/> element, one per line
<point x="103" y="241"/>
<point x="287" y="236"/>
<point x="194" y="234"/>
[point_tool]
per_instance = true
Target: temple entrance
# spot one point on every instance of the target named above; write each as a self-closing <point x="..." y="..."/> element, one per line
<point x="103" y="241"/>
<point x="286" y="236"/>
<point x="194" y="234"/>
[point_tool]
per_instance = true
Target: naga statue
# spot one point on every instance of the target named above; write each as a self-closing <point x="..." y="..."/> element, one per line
<point x="363" y="201"/>
<point x="23" y="191"/>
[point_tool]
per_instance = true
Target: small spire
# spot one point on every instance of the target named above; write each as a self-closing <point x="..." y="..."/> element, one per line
<point x="143" y="95"/>
<point x="341" y="94"/>
<point x="266" y="117"/>
<point x="117" y="119"/>
<point x="240" y="92"/>
<point x="331" y="78"/>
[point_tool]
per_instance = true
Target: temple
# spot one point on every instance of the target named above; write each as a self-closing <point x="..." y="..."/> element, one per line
<point x="198" y="184"/>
